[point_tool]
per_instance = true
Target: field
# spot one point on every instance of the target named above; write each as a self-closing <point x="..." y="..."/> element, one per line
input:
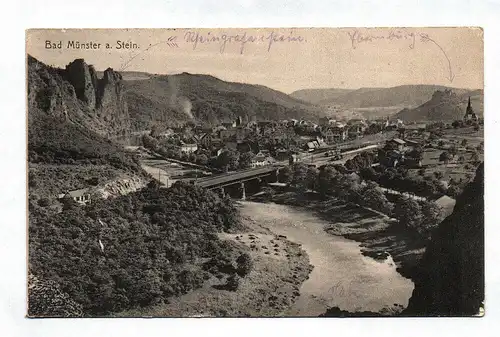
<point x="454" y="169"/>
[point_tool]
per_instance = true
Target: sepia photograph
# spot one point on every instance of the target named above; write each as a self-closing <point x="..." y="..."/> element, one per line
<point x="255" y="172"/>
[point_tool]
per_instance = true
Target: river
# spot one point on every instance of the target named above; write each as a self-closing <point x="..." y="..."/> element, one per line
<point x="342" y="277"/>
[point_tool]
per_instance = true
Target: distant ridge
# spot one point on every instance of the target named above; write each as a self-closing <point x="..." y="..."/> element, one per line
<point x="404" y="96"/>
<point x="445" y="106"/>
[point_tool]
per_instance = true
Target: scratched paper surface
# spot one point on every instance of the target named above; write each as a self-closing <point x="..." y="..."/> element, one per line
<point x="255" y="172"/>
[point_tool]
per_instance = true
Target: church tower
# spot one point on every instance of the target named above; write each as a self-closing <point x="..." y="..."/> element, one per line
<point x="469" y="113"/>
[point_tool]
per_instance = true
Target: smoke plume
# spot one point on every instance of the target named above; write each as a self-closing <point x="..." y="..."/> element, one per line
<point x="176" y="102"/>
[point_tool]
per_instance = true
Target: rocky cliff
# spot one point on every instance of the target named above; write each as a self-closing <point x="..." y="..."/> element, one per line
<point x="122" y="186"/>
<point x="76" y="94"/>
<point x="450" y="278"/>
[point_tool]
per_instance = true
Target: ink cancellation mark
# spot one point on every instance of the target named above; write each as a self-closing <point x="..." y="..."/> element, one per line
<point x="91" y="45"/>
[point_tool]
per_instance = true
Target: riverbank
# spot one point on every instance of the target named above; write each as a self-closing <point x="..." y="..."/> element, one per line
<point x="379" y="236"/>
<point x="342" y="277"/>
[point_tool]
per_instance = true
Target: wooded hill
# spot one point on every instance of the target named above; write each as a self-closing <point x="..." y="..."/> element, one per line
<point x="176" y="99"/>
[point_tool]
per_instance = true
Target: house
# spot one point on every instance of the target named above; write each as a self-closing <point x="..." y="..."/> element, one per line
<point x="356" y="128"/>
<point x="264" y="153"/>
<point x="205" y="139"/>
<point x="394" y="124"/>
<point x="226" y="134"/>
<point x="392" y="158"/>
<point x="241" y="133"/>
<point x="189" y="147"/>
<point x="337" y="133"/>
<point x="293" y="158"/>
<point x="281" y="154"/>
<point x="228" y="125"/>
<point x="81" y="196"/>
<point x="261" y="160"/>
<point x="321" y="141"/>
<point x="167" y="133"/>
<point x="397" y="144"/>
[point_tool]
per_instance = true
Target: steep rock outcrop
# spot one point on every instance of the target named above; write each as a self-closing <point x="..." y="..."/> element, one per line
<point x="84" y="79"/>
<point x="450" y="278"/>
<point x="76" y="94"/>
<point x="121" y="186"/>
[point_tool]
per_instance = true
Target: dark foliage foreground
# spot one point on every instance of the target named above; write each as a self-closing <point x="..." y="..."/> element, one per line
<point x="133" y="251"/>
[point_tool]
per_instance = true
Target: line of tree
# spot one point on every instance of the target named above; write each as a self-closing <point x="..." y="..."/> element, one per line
<point x="419" y="216"/>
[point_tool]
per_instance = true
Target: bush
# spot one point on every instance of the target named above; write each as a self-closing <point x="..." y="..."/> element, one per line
<point x="244" y="264"/>
<point x="233" y="282"/>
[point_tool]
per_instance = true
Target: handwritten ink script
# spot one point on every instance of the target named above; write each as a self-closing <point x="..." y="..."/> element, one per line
<point x="357" y="37"/>
<point x="196" y="38"/>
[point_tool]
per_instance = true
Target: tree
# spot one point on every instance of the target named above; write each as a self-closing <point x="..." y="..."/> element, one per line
<point x="461" y="159"/>
<point x="285" y="175"/>
<point x="444" y="157"/>
<point x="408" y="212"/>
<point x="373" y="197"/>
<point x="416" y="154"/>
<point x="464" y="142"/>
<point x="246" y="160"/>
<point x="454" y="191"/>
<point x="326" y="179"/>
<point x="457" y="124"/>
<point x="149" y="142"/>
<point x="300" y="175"/>
<point x="227" y="160"/>
<point x="347" y="186"/>
<point x="202" y="159"/>
<point x="432" y="215"/>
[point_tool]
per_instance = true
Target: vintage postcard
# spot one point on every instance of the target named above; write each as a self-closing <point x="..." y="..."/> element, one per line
<point x="270" y="172"/>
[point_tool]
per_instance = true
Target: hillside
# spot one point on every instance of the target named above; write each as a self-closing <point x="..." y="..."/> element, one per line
<point x="316" y="96"/>
<point x="445" y="106"/>
<point x="450" y="278"/>
<point x="175" y="99"/>
<point x="72" y="114"/>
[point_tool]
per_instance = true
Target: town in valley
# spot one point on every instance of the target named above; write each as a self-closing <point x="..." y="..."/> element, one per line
<point x="185" y="194"/>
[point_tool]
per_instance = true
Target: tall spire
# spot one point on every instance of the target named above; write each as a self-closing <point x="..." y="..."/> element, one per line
<point x="469" y="103"/>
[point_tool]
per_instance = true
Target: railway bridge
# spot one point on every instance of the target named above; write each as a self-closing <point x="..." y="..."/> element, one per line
<point x="220" y="181"/>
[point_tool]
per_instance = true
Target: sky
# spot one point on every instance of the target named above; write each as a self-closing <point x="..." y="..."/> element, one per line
<point x="285" y="59"/>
